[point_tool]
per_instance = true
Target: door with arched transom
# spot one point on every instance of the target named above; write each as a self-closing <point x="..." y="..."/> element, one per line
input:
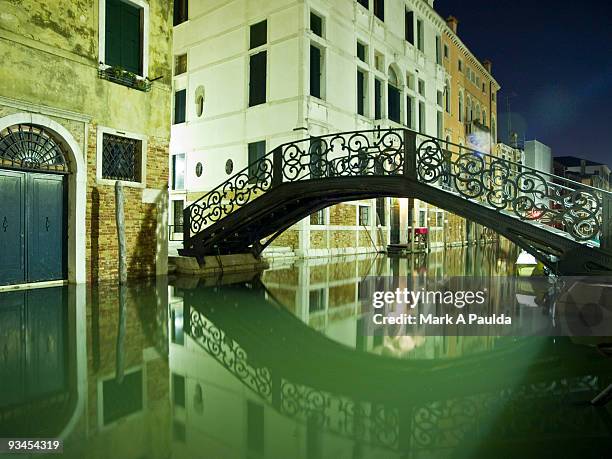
<point x="33" y="197"/>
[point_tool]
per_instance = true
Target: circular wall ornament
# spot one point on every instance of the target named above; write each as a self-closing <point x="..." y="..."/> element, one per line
<point x="229" y="166"/>
<point x="199" y="169"/>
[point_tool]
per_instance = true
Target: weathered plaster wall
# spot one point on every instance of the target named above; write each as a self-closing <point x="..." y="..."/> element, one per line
<point x="49" y="53"/>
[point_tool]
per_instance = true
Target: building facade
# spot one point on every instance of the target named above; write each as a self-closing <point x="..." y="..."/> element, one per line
<point x="251" y="75"/>
<point x="584" y="171"/>
<point x="84" y="102"/>
<point x="470" y="113"/>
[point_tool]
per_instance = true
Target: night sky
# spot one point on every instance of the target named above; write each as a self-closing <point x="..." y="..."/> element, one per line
<point x="553" y="60"/>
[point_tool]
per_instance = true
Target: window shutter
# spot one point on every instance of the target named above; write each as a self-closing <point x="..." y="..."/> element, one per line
<point x="130" y="38"/>
<point x="257" y="79"/>
<point x="112" y="42"/>
<point x="180" y="101"/>
<point x="315" y="71"/>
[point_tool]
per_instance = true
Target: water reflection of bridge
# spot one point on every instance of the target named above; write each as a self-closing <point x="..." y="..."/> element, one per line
<point x="519" y="394"/>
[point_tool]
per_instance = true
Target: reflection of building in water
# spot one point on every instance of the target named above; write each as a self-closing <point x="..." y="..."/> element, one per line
<point x="249" y="380"/>
<point x="58" y="371"/>
<point x="324" y="293"/>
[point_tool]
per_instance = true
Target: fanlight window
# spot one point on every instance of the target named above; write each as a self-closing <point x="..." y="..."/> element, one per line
<point x="25" y="146"/>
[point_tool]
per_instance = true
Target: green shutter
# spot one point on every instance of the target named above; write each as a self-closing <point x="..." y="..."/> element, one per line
<point x="130" y="38"/>
<point x="123" y="42"/>
<point x="112" y="41"/>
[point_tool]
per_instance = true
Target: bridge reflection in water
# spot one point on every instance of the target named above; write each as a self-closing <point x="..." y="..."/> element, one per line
<point x="274" y="367"/>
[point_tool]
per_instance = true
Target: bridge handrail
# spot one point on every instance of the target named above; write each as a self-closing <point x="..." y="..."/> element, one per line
<point x="422" y="157"/>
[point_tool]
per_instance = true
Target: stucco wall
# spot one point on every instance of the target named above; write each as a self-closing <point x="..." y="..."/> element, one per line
<point x="50" y="65"/>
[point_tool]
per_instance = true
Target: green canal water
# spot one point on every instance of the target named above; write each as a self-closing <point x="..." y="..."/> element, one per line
<point x="275" y="366"/>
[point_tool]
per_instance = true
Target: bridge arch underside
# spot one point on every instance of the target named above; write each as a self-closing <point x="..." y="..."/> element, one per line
<point x="255" y="225"/>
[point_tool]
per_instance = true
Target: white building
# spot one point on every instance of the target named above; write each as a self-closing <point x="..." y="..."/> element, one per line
<point x="252" y="74"/>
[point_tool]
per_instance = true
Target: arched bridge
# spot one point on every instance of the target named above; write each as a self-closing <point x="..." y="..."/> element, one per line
<point x="565" y="224"/>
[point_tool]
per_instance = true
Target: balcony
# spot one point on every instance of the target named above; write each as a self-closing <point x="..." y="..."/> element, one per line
<point x="124" y="78"/>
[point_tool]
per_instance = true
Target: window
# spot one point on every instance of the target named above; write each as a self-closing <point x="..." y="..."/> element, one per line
<point x="422" y="218"/>
<point x="393" y="97"/>
<point x="484" y="117"/>
<point x="364" y="3"/>
<point x="121" y="158"/>
<point x="180" y="11"/>
<point x="409" y="26"/>
<point x="420" y="36"/>
<point x="180" y="106"/>
<point x="483" y="87"/>
<point x="121" y="400"/>
<point x="422" y="117"/>
<point x="447" y="97"/>
<point x="446" y="51"/>
<point x="178" y="390"/>
<point x="493" y="130"/>
<point x="257" y="79"/>
<point x="361" y="52"/>
<point x="439" y="98"/>
<point x="361" y="92"/>
<point x="255" y="428"/>
<point x="460" y="106"/>
<point x="380" y="211"/>
<point x="257" y="150"/>
<point x="177" y="214"/>
<point x="422" y="87"/>
<point x="318" y="218"/>
<point x="438" y="49"/>
<point x="178" y="171"/>
<point x="460" y="65"/>
<point x="439" y="124"/>
<point x="410" y="112"/>
<point x="180" y="64"/>
<point x="316" y="300"/>
<point x="123" y="38"/>
<point x="440" y="219"/>
<point x="315" y="71"/>
<point x="377" y="99"/>
<point x="364" y="215"/>
<point x="316" y="24"/>
<point x="258" y="34"/>
<point x="379" y="9"/>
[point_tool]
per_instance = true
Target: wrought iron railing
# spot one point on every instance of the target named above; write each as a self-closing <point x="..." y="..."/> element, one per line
<point x="573" y="208"/>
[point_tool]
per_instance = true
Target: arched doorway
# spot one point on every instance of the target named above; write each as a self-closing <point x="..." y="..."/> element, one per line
<point x="34" y="166"/>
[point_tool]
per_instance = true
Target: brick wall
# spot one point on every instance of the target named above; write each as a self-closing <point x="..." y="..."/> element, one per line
<point x="140" y="218"/>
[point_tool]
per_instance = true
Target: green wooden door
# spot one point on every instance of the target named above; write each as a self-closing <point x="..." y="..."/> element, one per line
<point x="46" y="227"/>
<point x="12" y="227"/>
<point x="32" y="227"/>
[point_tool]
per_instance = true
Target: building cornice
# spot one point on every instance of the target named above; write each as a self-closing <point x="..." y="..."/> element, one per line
<point x="426" y="9"/>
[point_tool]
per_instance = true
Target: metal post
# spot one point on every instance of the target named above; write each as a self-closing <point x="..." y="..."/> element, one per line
<point x="120" y="221"/>
<point x="186" y="225"/>
<point x="410" y="154"/>
<point x="277" y="167"/>
<point x="605" y="240"/>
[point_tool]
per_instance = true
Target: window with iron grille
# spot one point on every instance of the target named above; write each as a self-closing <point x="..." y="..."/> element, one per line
<point x="121" y="157"/>
<point x="364" y="215"/>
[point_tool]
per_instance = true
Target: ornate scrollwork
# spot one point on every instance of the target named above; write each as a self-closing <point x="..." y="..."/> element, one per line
<point x="505" y="186"/>
<point x="229" y="354"/>
<point x="526" y="193"/>
<point x="231" y="195"/>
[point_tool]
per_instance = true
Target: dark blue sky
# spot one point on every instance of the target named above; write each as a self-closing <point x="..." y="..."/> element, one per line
<point x="553" y="60"/>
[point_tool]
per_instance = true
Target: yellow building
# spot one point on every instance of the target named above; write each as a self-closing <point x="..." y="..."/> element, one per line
<point x="470" y="113"/>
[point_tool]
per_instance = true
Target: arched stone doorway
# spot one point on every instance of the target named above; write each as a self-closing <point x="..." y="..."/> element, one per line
<point x="42" y="210"/>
